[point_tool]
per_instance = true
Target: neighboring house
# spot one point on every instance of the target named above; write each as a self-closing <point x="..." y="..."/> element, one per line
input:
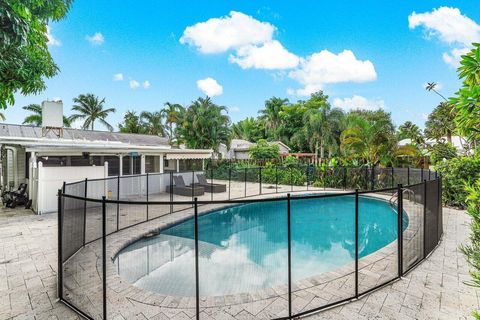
<point x="45" y="157"/>
<point x="239" y="149"/>
<point x="458" y="142"/>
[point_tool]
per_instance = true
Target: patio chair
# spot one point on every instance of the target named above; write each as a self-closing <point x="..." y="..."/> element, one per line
<point x="18" y="197"/>
<point x="179" y="188"/>
<point x="210" y="187"/>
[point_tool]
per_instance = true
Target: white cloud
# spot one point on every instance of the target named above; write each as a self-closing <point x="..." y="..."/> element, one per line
<point x="146" y="84"/>
<point x="118" y="77"/>
<point x="451" y="27"/>
<point x="233" y="109"/>
<point x="51" y="39"/>
<point x="358" y="102"/>
<point x="134" y="84"/>
<point x="96" y="39"/>
<point x="453" y="58"/>
<point x="325" y="67"/>
<point x="230" y="32"/>
<point x="210" y="87"/>
<point x="270" y="55"/>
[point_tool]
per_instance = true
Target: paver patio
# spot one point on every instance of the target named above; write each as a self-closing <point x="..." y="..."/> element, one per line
<point x="434" y="290"/>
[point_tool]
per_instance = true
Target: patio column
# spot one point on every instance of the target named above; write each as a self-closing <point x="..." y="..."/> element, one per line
<point x="161" y="163"/>
<point x="178" y="165"/>
<point x="131" y="164"/>
<point x="31" y="179"/>
<point x="120" y="165"/>
<point x="142" y="164"/>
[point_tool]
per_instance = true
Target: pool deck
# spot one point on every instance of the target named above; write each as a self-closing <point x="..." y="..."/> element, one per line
<point x="434" y="290"/>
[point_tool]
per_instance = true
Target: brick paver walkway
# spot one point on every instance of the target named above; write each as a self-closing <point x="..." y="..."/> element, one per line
<point x="434" y="290"/>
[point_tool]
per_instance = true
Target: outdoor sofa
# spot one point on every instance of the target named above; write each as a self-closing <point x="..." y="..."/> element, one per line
<point x="209" y="187"/>
<point x="179" y="188"/>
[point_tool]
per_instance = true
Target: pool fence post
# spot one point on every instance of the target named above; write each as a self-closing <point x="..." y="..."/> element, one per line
<point x="171" y="192"/>
<point x="193" y="186"/>
<point x="197" y="284"/>
<point x="60" y="245"/>
<point x="245" y="185"/>
<point x="289" y="238"/>
<point x="85" y="211"/>
<point x="260" y="178"/>
<point x="372" y="178"/>
<point x="118" y="204"/>
<point x="424" y="218"/>
<point x="400" y="229"/>
<point x="308" y="175"/>
<point x="408" y="176"/>
<point x="229" y="181"/>
<point x="291" y="179"/>
<point x="147" y="196"/>
<point x="366" y="178"/>
<point x="421" y="176"/>
<point x="356" y="243"/>
<point x="276" y="179"/>
<point x="211" y="183"/>
<point x="344" y="178"/>
<point x="393" y="174"/>
<point x="104" y="256"/>
<point x="429" y="172"/>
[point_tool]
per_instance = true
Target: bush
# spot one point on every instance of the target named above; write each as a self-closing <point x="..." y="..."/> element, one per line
<point x="442" y="151"/>
<point x="457" y="173"/>
<point x="472" y="251"/>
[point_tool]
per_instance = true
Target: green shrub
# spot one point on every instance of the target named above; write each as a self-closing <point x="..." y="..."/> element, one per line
<point x="442" y="151"/>
<point x="456" y="174"/>
<point x="472" y="251"/>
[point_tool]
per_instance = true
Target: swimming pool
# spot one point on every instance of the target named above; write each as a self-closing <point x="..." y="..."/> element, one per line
<point x="244" y="248"/>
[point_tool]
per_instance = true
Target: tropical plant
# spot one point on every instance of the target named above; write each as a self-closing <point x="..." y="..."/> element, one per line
<point x="369" y="136"/>
<point x="441" y="122"/>
<point x="173" y="113"/>
<point x="411" y="131"/>
<point x="263" y="150"/>
<point x="322" y="129"/>
<point x="90" y="108"/>
<point x="2" y="116"/>
<point x="250" y="129"/>
<point x="442" y="151"/>
<point x="271" y="114"/>
<point x="456" y="173"/>
<point x="35" y="116"/>
<point x="432" y="86"/>
<point x="152" y="122"/>
<point x="467" y="100"/>
<point x="26" y="60"/>
<point x="131" y="123"/>
<point x="204" y="125"/>
<point x="472" y="250"/>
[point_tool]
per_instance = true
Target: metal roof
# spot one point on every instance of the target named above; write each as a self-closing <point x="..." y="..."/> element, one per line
<point x="77" y="135"/>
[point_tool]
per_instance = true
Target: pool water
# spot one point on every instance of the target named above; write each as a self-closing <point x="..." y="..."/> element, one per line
<point x="244" y="248"/>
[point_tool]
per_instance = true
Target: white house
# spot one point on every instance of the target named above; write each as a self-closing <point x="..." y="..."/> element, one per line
<point x="239" y="149"/>
<point x="44" y="157"/>
<point x="458" y="142"/>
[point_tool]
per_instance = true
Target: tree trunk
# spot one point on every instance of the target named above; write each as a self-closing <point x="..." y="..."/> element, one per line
<point x="449" y="137"/>
<point x="322" y="151"/>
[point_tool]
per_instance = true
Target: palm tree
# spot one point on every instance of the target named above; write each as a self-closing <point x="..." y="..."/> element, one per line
<point x="204" y="125"/>
<point x="441" y="122"/>
<point x="152" y="121"/>
<point x="35" y="116"/>
<point x="173" y="113"/>
<point x="431" y="87"/>
<point x="322" y="128"/>
<point x="366" y="139"/>
<point x="2" y="116"/>
<point x="131" y="123"/>
<point x="90" y="108"/>
<point x="411" y="131"/>
<point x="271" y="114"/>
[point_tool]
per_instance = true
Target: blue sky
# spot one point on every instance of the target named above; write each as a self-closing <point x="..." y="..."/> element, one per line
<point x="364" y="53"/>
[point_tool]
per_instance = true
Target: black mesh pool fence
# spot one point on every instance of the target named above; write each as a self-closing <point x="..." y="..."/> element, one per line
<point x="115" y="234"/>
